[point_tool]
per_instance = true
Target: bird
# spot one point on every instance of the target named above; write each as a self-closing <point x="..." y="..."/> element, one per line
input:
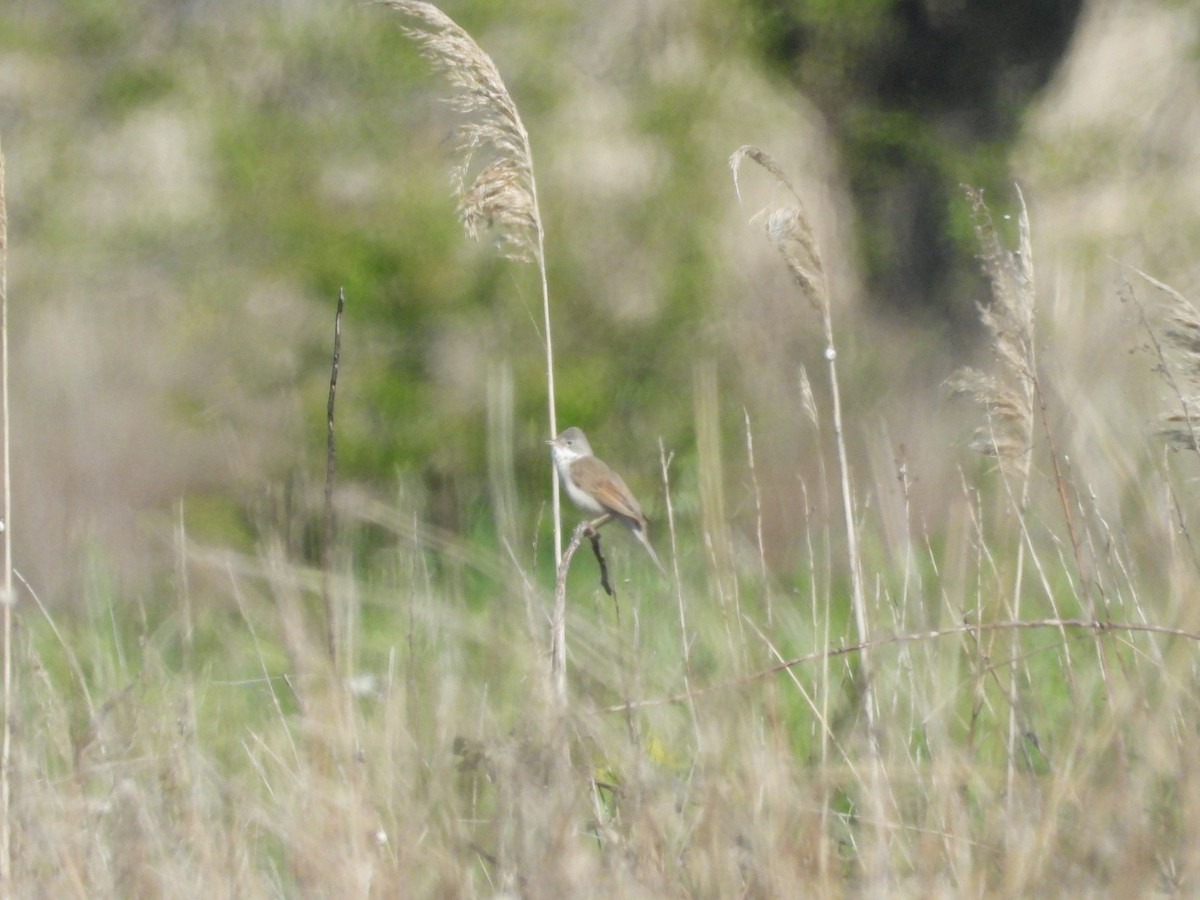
<point x="595" y="488"/>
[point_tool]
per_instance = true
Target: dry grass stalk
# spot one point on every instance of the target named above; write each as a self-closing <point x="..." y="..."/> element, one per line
<point x="788" y="227"/>
<point x="684" y="635"/>
<point x="7" y="599"/>
<point x="758" y="519"/>
<point x="1007" y="399"/>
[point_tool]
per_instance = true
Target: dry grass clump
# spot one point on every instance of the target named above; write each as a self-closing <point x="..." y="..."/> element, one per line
<point x="438" y="771"/>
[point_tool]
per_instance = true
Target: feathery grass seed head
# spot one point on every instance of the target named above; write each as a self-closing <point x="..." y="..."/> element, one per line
<point x="1174" y="325"/>
<point x="1006" y="397"/>
<point x="789" y="229"/>
<point x="494" y="177"/>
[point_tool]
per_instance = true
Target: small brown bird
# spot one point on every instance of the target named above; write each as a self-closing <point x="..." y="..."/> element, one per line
<point x="597" y="489"/>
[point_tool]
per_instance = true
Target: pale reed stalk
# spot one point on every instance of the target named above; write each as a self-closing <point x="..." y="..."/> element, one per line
<point x="7" y="600"/>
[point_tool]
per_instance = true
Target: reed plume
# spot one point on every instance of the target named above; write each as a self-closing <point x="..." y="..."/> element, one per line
<point x="493" y="178"/>
<point x="789" y="229"/>
<point x="1174" y="327"/>
<point x="1006" y="397"/>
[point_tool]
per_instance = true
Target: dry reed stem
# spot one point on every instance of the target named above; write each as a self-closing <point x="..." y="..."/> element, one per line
<point x="758" y="518"/>
<point x="684" y="638"/>
<point x="8" y="599"/>
<point x="558" y="621"/>
<point x="713" y="512"/>
<point x="1006" y="398"/>
<point x="788" y="227"/>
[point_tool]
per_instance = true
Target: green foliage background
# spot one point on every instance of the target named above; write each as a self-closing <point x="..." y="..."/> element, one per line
<point x="205" y="177"/>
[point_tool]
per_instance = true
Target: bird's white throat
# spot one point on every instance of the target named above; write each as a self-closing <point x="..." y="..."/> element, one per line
<point x="563" y="458"/>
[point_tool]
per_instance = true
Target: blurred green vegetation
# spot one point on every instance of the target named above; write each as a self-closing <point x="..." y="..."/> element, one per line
<point x="923" y="97"/>
<point x="240" y="165"/>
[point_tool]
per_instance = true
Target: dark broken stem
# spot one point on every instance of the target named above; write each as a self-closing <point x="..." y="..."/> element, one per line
<point x="594" y="535"/>
<point x="330" y="467"/>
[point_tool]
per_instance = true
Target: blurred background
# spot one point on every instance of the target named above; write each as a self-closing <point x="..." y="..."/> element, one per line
<point x="191" y="182"/>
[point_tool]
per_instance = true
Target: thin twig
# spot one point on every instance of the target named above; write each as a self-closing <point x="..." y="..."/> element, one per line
<point x="975" y="628"/>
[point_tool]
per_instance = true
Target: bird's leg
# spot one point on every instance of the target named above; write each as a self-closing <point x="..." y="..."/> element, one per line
<point x="595" y="523"/>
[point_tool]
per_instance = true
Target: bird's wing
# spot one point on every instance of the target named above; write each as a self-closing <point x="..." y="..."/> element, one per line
<point x="616" y="497"/>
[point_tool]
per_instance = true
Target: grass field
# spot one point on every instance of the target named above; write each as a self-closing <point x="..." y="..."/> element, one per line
<point x="1012" y="713"/>
<point x="202" y="744"/>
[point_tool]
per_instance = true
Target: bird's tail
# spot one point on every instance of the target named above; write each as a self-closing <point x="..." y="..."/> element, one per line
<point x="640" y="534"/>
